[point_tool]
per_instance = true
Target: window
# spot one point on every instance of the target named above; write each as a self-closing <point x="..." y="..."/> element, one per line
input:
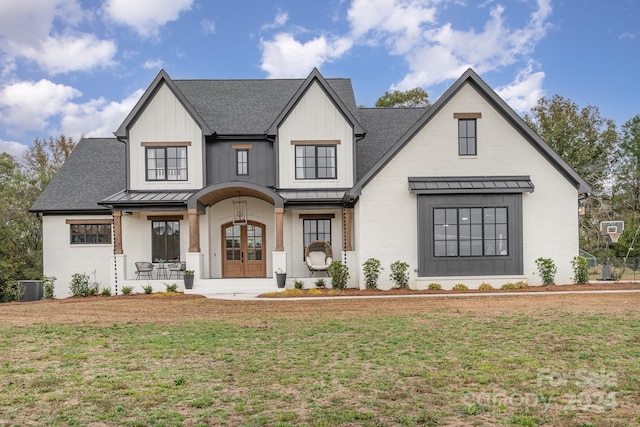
<point x="242" y="162"/>
<point x="90" y="234"/>
<point x="470" y="232"/>
<point x="315" y="161"/>
<point x="316" y="229"/>
<point x="467" y="137"/>
<point x="165" y="240"/>
<point x="166" y="163"/>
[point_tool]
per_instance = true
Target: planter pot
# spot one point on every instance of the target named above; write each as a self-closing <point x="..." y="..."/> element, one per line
<point x="188" y="281"/>
<point x="281" y="279"/>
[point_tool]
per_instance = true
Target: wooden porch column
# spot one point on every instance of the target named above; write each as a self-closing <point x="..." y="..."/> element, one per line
<point x="194" y="231"/>
<point x="117" y="232"/>
<point x="346" y="223"/>
<point x="279" y="230"/>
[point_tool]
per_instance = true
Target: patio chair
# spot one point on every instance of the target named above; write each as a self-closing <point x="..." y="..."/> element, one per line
<point x="318" y="255"/>
<point x="144" y="268"/>
<point x="177" y="268"/>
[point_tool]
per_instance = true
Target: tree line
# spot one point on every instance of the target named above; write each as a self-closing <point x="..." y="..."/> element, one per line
<point x="607" y="158"/>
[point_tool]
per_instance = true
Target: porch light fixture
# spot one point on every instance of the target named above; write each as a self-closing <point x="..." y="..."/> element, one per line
<point x="239" y="212"/>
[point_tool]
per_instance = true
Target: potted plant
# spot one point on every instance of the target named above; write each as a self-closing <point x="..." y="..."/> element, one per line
<point x="188" y="279"/>
<point x="281" y="278"/>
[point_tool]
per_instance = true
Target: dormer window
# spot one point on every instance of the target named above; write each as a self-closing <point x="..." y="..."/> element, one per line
<point x="166" y="162"/>
<point x="315" y="159"/>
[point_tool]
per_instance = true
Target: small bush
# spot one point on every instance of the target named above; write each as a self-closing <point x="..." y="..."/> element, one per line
<point x="460" y="287"/>
<point x="173" y="287"/>
<point x="508" y="286"/>
<point x="521" y="285"/>
<point x="298" y="284"/>
<point x="106" y="292"/>
<point x="314" y="291"/>
<point x="148" y="289"/>
<point x="13" y="290"/>
<point x="48" y="286"/>
<point x="547" y="270"/>
<point x="320" y="283"/>
<point x="339" y="273"/>
<point x="580" y="270"/>
<point x="399" y="274"/>
<point x="435" y="286"/>
<point x="80" y="286"/>
<point x="371" y="269"/>
<point x="485" y="287"/>
<point x="126" y="290"/>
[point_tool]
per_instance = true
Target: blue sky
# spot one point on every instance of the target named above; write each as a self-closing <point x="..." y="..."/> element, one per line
<point x="77" y="67"/>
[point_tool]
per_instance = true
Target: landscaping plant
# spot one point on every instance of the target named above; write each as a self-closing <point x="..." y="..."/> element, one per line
<point x="399" y="274"/>
<point x="547" y="270"/>
<point x="580" y="270"/>
<point x="80" y="286"/>
<point x="127" y="290"/>
<point x="371" y="269"/>
<point x="339" y="273"/>
<point x="48" y="286"/>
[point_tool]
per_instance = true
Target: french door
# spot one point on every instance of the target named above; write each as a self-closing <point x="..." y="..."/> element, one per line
<point x="243" y="250"/>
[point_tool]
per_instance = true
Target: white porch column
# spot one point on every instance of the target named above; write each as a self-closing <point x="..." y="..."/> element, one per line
<point x="350" y="259"/>
<point x="195" y="262"/>
<point x="279" y="261"/>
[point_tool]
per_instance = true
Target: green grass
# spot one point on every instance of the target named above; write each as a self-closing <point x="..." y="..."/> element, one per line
<point x="436" y="368"/>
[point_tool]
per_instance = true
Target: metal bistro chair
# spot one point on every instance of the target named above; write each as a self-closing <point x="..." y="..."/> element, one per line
<point x="318" y="255"/>
<point x="178" y="269"/>
<point x="144" y="268"/>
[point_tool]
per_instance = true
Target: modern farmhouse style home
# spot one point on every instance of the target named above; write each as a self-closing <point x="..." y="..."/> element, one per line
<point x="233" y="179"/>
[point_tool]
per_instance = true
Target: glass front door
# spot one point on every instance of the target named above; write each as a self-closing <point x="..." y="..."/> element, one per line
<point x="243" y="250"/>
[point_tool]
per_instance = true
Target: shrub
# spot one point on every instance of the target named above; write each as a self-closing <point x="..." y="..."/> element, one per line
<point x="547" y="270"/>
<point x="126" y="290"/>
<point x="106" y="292"/>
<point x="320" y="283"/>
<point x="80" y="286"/>
<point x="13" y="290"/>
<point x="460" y="287"/>
<point x="371" y="269"/>
<point x="298" y="284"/>
<point x="521" y="285"/>
<point x="173" y="287"/>
<point x="339" y="273"/>
<point x="580" y="270"/>
<point x="508" y="286"/>
<point x="148" y="289"/>
<point x="48" y="286"/>
<point x="399" y="274"/>
<point x="435" y="286"/>
<point x="485" y="287"/>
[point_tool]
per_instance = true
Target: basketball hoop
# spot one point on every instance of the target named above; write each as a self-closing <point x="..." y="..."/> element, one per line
<point x="614" y="237"/>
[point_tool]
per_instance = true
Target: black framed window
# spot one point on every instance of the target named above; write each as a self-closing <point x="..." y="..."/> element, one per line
<point x="82" y="234"/>
<point x="166" y="163"/>
<point x="470" y="232"/>
<point x="467" y="144"/>
<point x="315" y="161"/>
<point x="316" y="229"/>
<point x="242" y="162"/>
<point x="165" y="240"/>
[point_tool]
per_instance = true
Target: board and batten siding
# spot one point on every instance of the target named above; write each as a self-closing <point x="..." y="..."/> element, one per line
<point x="165" y="119"/>
<point x="315" y="118"/>
<point x="387" y="212"/>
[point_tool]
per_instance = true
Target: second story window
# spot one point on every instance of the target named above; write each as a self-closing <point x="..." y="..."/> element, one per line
<point x="315" y="161"/>
<point x="166" y="163"/>
<point x="242" y="162"/>
<point x="467" y="137"/>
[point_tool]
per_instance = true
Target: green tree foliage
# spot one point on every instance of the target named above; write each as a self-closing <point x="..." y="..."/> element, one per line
<point x="411" y="98"/>
<point x="627" y="166"/>
<point x="20" y="186"/>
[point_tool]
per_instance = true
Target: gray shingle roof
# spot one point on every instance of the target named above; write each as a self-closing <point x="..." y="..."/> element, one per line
<point x="93" y="171"/>
<point x="249" y="107"/>
<point x="384" y="127"/>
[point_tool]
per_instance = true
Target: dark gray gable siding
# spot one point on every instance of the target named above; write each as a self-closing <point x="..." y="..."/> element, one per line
<point x="93" y="171"/>
<point x="431" y="266"/>
<point x="221" y="162"/>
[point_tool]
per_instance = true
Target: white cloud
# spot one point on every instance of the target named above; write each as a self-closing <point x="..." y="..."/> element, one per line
<point x="16" y="149"/>
<point x="285" y="57"/>
<point x="208" y="26"/>
<point x="627" y="36"/>
<point x="30" y="105"/>
<point x="524" y="92"/>
<point x="146" y="17"/>
<point x="279" y="21"/>
<point x="153" y="64"/>
<point x="27" y="31"/>
<point x="97" y="117"/>
<point x="444" y="52"/>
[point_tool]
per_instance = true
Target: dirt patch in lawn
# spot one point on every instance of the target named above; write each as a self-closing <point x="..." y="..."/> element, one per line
<point x="155" y="308"/>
